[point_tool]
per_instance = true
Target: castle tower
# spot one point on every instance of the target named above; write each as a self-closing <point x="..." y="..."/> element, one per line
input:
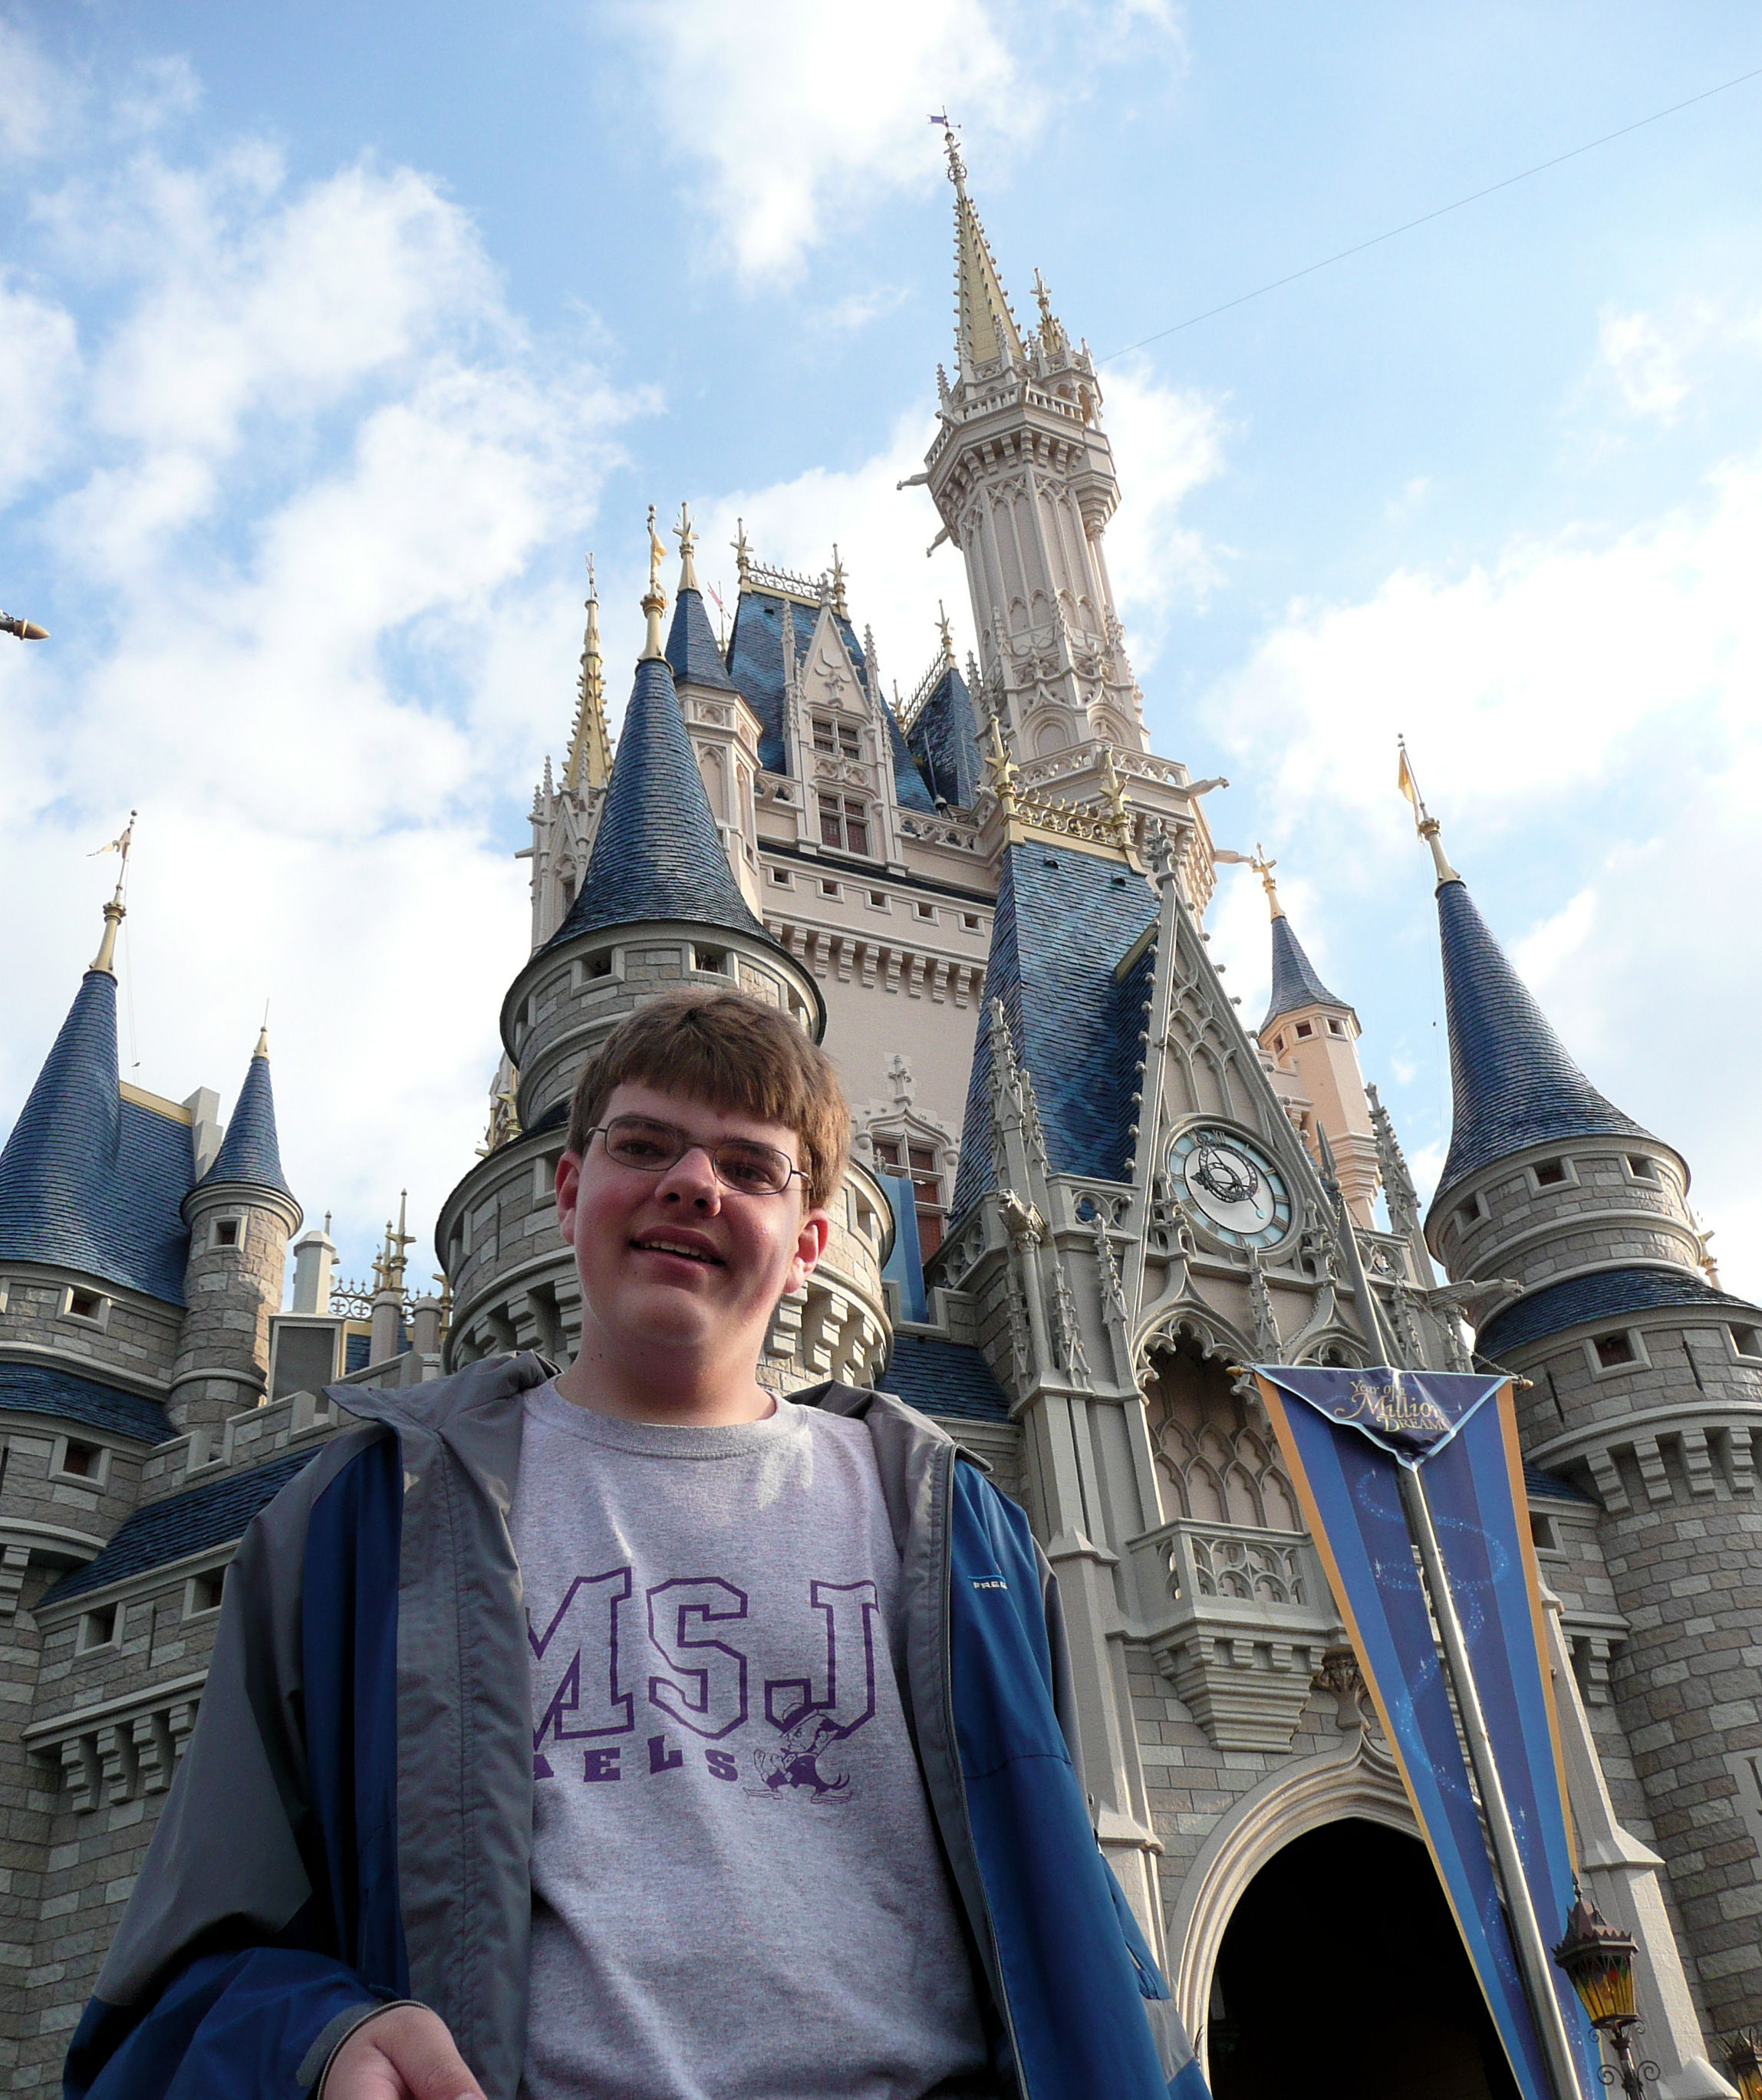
<point x="1311" y="1033"/>
<point x="241" y="1216"/>
<point x="1023" y="477"/>
<point x="658" y="908"/>
<point x="1646" y="1385"/>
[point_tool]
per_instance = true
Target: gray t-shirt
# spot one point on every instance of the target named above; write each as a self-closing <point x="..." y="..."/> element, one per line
<point x="737" y="1893"/>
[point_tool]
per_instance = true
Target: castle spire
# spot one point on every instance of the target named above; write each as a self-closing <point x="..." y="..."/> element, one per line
<point x="692" y="650"/>
<point x="985" y="329"/>
<point x="114" y="911"/>
<point x="1424" y="823"/>
<point x="588" y="765"/>
<point x="687" y="540"/>
<point x="250" y="1153"/>
<point x="1512" y="1082"/>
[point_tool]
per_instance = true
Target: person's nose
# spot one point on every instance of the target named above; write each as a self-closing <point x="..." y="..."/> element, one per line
<point x="693" y="1178"/>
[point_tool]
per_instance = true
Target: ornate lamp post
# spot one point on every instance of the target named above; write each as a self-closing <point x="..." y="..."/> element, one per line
<point x="1598" y="1959"/>
<point x="1743" y="2060"/>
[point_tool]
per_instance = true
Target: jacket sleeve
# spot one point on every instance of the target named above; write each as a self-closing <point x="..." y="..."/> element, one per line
<point x="226" y="1974"/>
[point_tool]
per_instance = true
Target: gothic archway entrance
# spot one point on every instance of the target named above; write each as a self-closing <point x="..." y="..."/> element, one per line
<point x="1341" y="1976"/>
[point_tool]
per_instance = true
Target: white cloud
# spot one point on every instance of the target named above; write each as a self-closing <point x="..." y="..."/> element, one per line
<point x="39" y="98"/>
<point x="799" y="115"/>
<point x="304" y="504"/>
<point x="1654" y="361"/>
<point x="39" y="360"/>
<point x="1583" y="715"/>
<point x="1166" y="442"/>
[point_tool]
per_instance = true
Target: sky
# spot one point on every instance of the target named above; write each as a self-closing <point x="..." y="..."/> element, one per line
<point x="332" y="339"/>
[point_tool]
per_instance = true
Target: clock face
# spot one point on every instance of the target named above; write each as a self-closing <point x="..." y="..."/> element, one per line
<point x="1230" y="1186"/>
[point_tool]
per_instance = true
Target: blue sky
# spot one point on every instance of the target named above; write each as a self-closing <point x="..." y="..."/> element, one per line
<point x="331" y="338"/>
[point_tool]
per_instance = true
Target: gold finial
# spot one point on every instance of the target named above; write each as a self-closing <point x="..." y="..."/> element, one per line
<point x="947" y="637"/>
<point x="1263" y="867"/>
<point x="394" y="1258"/>
<point x="114" y="911"/>
<point x="588" y="765"/>
<point x="1116" y="798"/>
<point x="1002" y="772"/>
<point x="1424" y="823"/>
<point x="262" y="1034"/>
<point x="838" y="605"/>
<point x="687" y="540"/>
<point x="743" y="560"/>
<point x="655" y="603"/>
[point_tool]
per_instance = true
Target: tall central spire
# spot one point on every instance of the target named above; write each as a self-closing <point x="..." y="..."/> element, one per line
<point x="588" y="766"/>
<point x="986" y="334"/>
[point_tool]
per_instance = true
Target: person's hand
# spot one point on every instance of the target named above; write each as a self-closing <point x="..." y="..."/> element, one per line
<point x="405" y="2054"/>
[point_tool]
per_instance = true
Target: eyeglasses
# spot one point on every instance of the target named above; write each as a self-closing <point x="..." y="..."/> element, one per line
<point x="749" y="1168"/>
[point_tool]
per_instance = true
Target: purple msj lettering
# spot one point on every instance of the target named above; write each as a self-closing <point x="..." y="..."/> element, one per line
<point x="709" y="1700"/>
<point x="581" y="1647"/>
<point x="720" y="1764"/>
<point x="600" y="1764"/>
<point x="846" y="1697"/>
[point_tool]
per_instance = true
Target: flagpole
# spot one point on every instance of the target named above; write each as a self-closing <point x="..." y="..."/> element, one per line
<point x="1526" y="1932"/>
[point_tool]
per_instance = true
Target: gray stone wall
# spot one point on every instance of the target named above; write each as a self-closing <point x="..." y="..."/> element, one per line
<point x="132" y="1342"/>
<point x="231" y="1289"/>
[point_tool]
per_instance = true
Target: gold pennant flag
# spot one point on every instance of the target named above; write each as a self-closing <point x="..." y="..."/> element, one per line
<point x="1405" y="781"/>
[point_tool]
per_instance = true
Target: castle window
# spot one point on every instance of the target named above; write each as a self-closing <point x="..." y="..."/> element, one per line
<point x="917" y="1161"/>
<point x="1305" y="1028"/>
<point x="840" y="739"/>
<point x="709" y="959"/>
<point x="1549" y="1173"/>
<point x="1472" y="1212"/>
<point x="91" y="1306"/>
<point x="781" y="876"/>
<point x="1337" y="1028"/>
<point x="829" y="889"/>
<point x="1613" y="1351"/>
<point x="1542" y="1533"/>
<point x="225" y="1231"/>
<point x="1747" y="1342"/>
<point x="878" y="898"/>
<point x="82" y="1461"/>
<point x="98" y="1629"/>
<point x="970" y="920"/>
<point x="927" y="911"/>
<point x="202" y="1592"/>
<point x="599" y="965"/>
<point x="843" y="823"/>
<point x="1278" y="1044"/>
<point x="1640" y="1168"/>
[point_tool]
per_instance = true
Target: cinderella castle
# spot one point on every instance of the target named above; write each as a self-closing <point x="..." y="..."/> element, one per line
<point x="1085" y="1193"/>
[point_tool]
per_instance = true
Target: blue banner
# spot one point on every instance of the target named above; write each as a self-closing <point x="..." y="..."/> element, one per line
<point x="1343" y="1441"/>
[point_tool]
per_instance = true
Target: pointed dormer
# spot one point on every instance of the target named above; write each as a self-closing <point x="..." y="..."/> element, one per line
<point x="588" y="766"/>
<point x="563" y="811"/>
<point x="1309" y="1032"/>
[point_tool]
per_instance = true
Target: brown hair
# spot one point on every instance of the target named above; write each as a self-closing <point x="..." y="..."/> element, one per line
<point x="728" y="1050"/>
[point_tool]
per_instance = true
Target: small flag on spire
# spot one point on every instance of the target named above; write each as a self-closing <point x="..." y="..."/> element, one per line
<point x="1409" y="787"/>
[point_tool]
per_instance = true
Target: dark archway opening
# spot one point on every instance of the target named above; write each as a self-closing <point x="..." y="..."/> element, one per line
<point x="1342" y="1977"/>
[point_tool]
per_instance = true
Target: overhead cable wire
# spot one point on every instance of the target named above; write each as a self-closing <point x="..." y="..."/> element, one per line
<point x="1425" y="217"/>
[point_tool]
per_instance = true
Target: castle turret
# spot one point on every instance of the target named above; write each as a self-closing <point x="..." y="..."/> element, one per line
<point x="1645" y="1383"/>
<point x="658" y="908"/>
<point x="241" y="1215"/>
<point x="1023" y="476"/>
<point x="1310" y="1032"/>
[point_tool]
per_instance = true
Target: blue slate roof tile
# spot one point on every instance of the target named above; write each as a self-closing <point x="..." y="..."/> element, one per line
<point x="211" y="1515"/>
<point x="88" y="1180"/>
<point x="1513" y="1084"/>
<point x="909" y="789"/>
<point x="657" y="853"/>
<point x="1295" y="982"/>
<point x="1065" y="920"/>
<point x="250" y="1153"/>
<point x="1611" y="1294"/>
<point x="943" y="1378"/>
<point x="755" y="664"/>
<point x="945" y="741"/>
<point x="47" y="1389"/>
<point x="691" y="648"/>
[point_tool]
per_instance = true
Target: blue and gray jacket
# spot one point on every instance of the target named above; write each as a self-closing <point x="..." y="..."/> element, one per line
<point x="351" y="1823"/>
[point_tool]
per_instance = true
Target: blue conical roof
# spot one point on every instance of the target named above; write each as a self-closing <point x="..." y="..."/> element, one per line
<point x="88" y="1180"/>
<point x="656" y="853"/>
<point x="691" y="648"/>
<point x="1295" y="982"/>
<point x="1511" y="1081"/>
<point x="250" y="1152"/>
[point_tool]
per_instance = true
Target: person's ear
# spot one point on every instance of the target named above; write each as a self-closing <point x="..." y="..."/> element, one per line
<point x="816" y="1230"/>
<point x="568" y="1184"/>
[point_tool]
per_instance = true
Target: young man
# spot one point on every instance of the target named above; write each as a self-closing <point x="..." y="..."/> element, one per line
<point x="633" y="1734"/>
